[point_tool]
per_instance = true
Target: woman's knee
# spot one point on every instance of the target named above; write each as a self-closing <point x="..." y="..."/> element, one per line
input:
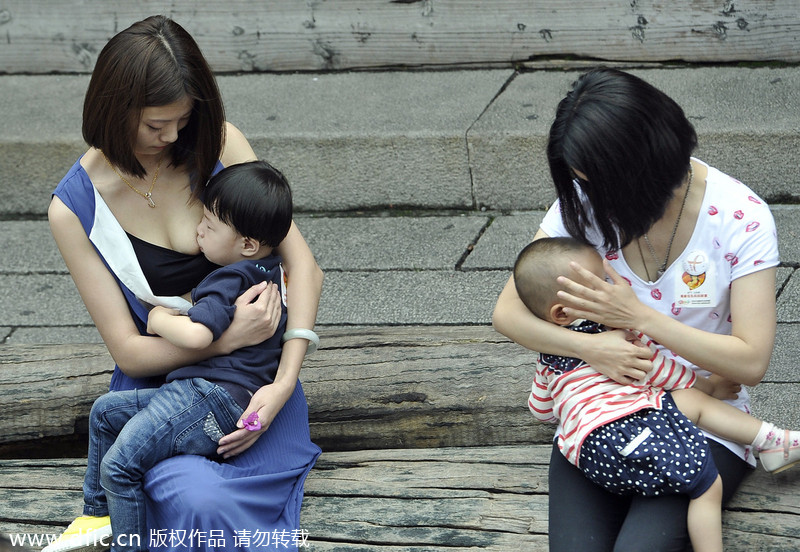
<point x="582" y="515"/>
<point x="658" y="521"/>
<point x="731" y="468"/>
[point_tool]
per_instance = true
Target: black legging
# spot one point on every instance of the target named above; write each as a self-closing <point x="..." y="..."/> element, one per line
<point x="586" y="518"/>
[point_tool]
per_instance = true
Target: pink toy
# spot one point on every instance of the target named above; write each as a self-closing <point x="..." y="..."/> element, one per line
<point x="252" y="423"/>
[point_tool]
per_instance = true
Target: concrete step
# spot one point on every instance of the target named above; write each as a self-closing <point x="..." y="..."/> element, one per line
<point x="379" y="271"/>
<point x="466" y="140"/>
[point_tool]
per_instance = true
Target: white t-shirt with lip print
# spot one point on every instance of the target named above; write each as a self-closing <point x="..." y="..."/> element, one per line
<point x="735" y="235"/>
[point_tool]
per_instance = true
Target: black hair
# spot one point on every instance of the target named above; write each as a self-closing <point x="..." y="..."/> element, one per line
<point x="538" y="265"/>
<point x="152" y="63"/>
<point x="254" y="198"/>
<point x="631" y="141"/>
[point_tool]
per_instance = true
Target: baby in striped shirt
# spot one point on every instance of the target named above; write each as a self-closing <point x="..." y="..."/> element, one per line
<point x="637" y="438"/>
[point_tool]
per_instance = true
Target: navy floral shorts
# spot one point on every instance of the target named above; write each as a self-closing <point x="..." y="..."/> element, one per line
<point x="650" y="453"/>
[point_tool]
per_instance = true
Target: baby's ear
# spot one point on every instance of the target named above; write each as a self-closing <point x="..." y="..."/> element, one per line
<point x="250" y="247"/>
<point x="558" y="316"/>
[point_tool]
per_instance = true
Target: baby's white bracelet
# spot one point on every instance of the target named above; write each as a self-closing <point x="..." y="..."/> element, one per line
<point x="302" y="333"/>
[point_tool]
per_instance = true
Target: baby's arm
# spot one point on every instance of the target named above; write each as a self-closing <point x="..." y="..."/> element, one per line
<point x="540" y="402"/>
<point x="178" y="329"/>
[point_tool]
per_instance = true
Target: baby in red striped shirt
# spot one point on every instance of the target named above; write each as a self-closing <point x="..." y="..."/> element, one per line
<point x="643" y="437"/>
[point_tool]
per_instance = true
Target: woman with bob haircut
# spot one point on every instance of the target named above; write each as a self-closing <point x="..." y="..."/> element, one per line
<point x="124" y="218"/>
<point x="691" y="257"/>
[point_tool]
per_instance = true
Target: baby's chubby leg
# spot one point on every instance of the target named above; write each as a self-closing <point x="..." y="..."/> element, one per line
<point x="716" y="416"/>
<point x="108" y="416"/>
<point x="704" y="519"/>
<point x="778" y="449"/>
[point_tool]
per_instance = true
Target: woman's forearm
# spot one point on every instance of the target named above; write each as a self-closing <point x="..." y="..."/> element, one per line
<point x="302" y="296"/>
<point x="744" y="355"/>
<point x="726" y="355"/>
<point x="743" y="360"/>
<point x="741" y="356"/>
<point x="302" y="300"/>
<point x="512" y="319"/>
<point x="303" y="293"/>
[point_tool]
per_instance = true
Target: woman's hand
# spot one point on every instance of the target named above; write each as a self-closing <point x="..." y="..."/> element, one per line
<point x="258" y="313"/>
<point x="267" y="402"/>
<point x="619" y="355"/>
<point x="724" y="389"/>
<point x="613" y="304"/>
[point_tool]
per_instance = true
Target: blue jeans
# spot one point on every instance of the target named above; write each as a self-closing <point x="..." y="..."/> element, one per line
<point x="131" y="431"/>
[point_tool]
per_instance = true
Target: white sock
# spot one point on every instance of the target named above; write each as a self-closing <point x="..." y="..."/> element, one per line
<point x="766" y="436"/>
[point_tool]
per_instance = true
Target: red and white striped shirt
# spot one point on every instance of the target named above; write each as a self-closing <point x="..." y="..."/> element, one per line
<point x="571" y="393"/>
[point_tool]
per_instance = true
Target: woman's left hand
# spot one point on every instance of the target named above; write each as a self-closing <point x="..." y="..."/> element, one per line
<point x="267" y="402"/>
<point x="613" y="304"/>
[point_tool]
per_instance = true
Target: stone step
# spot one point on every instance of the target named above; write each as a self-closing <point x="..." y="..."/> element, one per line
<point x="464" y="140"/>
<point x="378" y="271"/>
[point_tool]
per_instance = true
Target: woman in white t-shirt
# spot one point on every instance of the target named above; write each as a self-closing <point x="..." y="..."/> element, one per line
<point x="691" y="256"/>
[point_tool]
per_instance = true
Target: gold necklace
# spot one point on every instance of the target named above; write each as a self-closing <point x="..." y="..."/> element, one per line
<point x="662" y="267"/>
<point x="148" y="195"/>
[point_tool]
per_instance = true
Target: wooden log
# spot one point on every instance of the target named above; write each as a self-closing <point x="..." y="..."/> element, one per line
<point x="487" y="498"/>
<point x="367" y="388"/>
<point x="421" y="387"/>
<point x="384" y="387"/>
<point x="286" y="35"/>
<point x="48" y="390"/>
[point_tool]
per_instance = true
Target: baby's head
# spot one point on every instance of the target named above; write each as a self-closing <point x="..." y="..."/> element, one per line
<point x="538" y="266"/>
<point x="247" y="213"/>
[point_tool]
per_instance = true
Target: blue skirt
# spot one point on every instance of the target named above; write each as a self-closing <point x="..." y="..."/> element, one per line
<point x="650" y="453"/>
<point x="250" y="502"/>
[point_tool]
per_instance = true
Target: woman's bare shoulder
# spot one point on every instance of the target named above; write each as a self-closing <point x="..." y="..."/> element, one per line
<point x="236" y="148"/>
<point x="59" y="215"/>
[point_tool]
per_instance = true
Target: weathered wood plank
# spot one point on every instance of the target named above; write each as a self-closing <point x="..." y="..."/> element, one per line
<point x="487" y="498"/>
<point x="500" y="543"/>
<point x="767" y="492"/>
<point x="439" y="387"/>
<point x="48" y="390"/>
<point x="367" y="388"/>
<point x="459" y="522"/>
<point x="286" y="35"/>
<point x="42" y="506"/>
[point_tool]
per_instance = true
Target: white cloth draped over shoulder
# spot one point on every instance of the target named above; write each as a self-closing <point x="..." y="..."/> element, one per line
<point x="115" y="247"/>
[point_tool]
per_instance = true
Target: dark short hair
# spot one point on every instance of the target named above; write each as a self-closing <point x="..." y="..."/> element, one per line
<point x="633" y="143"/>
<point x="152" y="63"/>
<point x="254" y="198"/>
<point x="538" y="265"/>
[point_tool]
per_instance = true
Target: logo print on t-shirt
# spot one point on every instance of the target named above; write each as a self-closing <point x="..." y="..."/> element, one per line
<point x="695" y="288"/>
<point x="695" y="267"/>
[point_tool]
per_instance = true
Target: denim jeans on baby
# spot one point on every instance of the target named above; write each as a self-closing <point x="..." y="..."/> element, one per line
<point x="131" y="431"/>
